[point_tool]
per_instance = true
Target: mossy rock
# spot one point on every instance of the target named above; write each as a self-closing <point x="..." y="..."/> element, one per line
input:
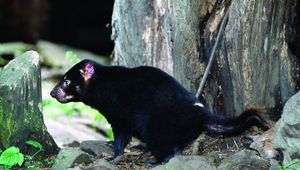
<point x="21" y="118"/>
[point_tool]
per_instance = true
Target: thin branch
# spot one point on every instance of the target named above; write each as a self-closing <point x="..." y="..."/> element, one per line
<point x="212" y="56"/>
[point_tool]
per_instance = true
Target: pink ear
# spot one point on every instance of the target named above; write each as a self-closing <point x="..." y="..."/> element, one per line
<point x="88" y="71"/>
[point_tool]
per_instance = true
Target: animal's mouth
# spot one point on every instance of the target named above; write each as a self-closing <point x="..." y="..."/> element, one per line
<point x="65" y="99"/>
<point x="60" y="95"/>
<point x="62" y="100"/>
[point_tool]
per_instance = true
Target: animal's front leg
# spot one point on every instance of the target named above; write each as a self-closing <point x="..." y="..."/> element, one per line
<point x="121" y="140"/>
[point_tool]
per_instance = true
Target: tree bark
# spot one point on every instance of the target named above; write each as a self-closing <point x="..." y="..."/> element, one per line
<point x="164" y="34"/>
<point x="254" y="66"/>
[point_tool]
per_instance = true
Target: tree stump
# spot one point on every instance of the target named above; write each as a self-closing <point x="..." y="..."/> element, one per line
<point x="254" y="66"/>
<point x="21" y="118"/>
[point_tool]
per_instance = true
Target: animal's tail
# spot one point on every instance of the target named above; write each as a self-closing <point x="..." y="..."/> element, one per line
<point x="229" y="126"/>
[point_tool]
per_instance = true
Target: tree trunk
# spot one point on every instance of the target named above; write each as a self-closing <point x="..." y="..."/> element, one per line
<point x="21" y="118"/>
<point x="254" y="66"/>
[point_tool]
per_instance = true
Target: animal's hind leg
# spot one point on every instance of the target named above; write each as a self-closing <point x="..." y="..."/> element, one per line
<point x="161" y="157"/>
<point x="163" y="152"/>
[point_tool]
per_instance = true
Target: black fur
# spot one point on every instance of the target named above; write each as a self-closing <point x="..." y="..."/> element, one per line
<point x="146" y="103"/>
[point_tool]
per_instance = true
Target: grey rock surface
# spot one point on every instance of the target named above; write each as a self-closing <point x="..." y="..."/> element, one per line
<point x="102" y="164"/>
<point x="69" y="157"/>
<point x="244" y="160"/>
<point x="96" y="148"/>
<point x="186" y="163"/>
<point x="288" y="134"/>
<point x="264" y="143"/>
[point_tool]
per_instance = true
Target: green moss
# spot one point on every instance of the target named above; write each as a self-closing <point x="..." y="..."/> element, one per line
<point x="1" y="110"/>
<point x="1" y="121"/>
<point x="27" y="119"/>
<point x="7" y="125"/>
<point x="9" y="129"/>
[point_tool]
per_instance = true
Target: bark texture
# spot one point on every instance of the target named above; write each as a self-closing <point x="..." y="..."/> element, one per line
<point x="254" y="66"/>
<point x="163" y="34"/>
<point x="21" y="118"/>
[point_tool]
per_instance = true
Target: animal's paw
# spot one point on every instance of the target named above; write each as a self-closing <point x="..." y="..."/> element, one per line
<point x="115" y="159"/>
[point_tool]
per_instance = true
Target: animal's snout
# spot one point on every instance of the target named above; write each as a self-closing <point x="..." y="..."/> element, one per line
<point x="57" y="92"/>
<point x="53" y="93"/>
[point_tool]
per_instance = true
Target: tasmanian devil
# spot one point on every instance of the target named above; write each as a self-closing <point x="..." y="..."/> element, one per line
<point x="148" y="104"/>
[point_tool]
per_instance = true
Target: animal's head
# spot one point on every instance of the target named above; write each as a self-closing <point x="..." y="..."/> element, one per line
<point x="72" y="87"/>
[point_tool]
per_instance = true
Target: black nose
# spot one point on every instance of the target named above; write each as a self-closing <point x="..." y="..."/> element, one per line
<point x="52" y="93"/>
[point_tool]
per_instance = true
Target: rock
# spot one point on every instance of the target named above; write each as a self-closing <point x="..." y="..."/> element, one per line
<point x="70" y="131"/>
<point x="21" y="118"/>
<point x="75" y="168"/>
<point x="102" y="164"/>
<point x="73" y="144"/>
<point x="264" y="143"/>
<point x="245" y="159"/>
<point x="187" y="162"/>
<point x="96" y="148"/>
<point x="54" y="54"/>
<point x="69" y="157"/>
<point x="288" y="134"/>
<point x="274" y="164"/>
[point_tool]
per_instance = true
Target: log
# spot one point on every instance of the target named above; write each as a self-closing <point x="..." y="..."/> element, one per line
<point x="21" y="118"/>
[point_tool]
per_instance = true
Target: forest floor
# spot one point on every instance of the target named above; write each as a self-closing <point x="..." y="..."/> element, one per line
<point x="214" y="148"/>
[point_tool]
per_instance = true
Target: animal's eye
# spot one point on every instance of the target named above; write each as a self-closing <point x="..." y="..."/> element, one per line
<point x="67" y="82"/>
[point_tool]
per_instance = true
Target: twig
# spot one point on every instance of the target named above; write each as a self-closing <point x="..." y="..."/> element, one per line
<point x="36" y="153"/>
<point x="237" y="146"/>
<point x="212" y="56"/>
